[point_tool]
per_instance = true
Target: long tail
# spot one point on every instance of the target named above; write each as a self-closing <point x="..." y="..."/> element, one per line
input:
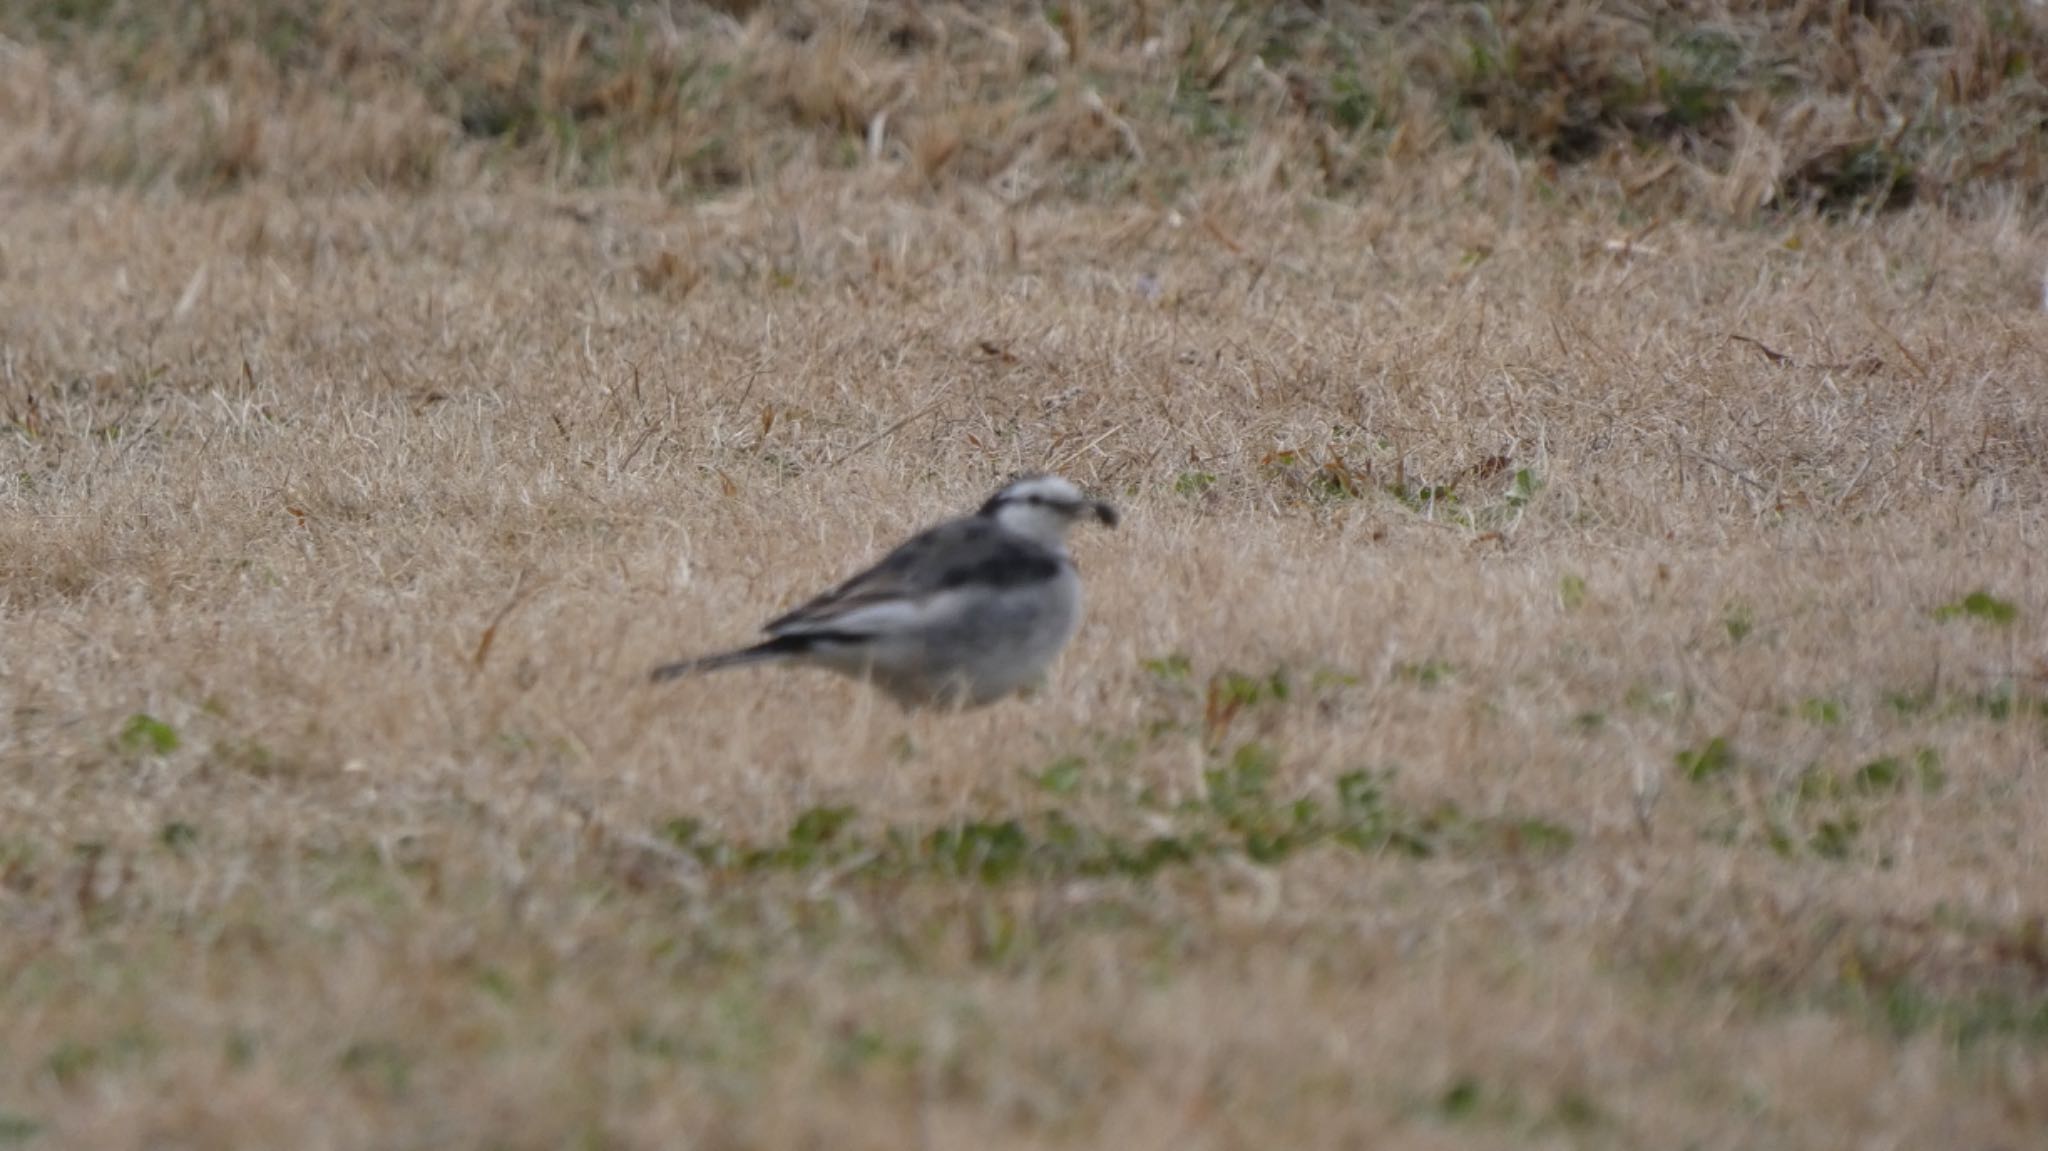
<point x="759" y="653"/>
<point x="767" y="651"/>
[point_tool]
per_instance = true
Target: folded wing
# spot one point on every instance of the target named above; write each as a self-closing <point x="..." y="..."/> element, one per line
<point x="909" y="583"/>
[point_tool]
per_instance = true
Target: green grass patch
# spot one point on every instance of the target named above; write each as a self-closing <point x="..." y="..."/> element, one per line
<point x="1431" y="672"/>
<point x="1242" y="812"/>
<point x="1817" y="810"/>
<point x="17" y="1129"/>
<point x="1738" y="621"/>
<point x="1821" y="711"/>
<point x="1174" y="667"/>
<point x="1709" y="761"/>
<point x="1982" y="606"/>
<point x="145" y="734"/>
<point x="1062" y="776"/>
<point x="1571" y="591"/>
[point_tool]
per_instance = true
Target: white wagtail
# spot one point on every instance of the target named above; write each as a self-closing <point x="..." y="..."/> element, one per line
<point x="960" y="614"/>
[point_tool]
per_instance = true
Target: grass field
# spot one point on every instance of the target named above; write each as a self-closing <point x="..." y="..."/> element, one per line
<point x="1573" y="671"/>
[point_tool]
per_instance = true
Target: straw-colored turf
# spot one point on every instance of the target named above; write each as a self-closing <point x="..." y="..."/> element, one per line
<point x="1561" y="681"/>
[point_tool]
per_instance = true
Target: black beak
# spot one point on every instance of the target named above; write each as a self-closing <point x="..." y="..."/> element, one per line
<point x="1106" y="514"/>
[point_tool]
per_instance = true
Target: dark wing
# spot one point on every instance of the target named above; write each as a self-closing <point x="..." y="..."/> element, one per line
<point x="953" y="554"/>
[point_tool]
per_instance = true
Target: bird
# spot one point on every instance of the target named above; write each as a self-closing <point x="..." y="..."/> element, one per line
<point x="959" y="615"/>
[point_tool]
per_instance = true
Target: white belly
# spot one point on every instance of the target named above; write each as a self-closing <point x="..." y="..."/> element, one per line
<point x="975" y="648"/>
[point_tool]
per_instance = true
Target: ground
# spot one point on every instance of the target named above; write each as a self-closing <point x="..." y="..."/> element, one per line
<point x="1572" y="671"/>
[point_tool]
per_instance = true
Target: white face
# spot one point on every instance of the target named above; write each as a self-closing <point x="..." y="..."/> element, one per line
<point x="1044" y="507"/>
<point x="1050" y="489"/>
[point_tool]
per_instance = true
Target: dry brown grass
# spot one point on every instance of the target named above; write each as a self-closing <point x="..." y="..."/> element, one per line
<point x="1734" y="106"/>
<point x="1618" y="567"/>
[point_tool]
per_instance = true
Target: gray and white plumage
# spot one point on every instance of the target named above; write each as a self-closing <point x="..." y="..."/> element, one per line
<point x="960" y="614"/>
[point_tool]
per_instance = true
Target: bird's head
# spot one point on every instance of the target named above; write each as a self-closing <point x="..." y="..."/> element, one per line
<point x="1044" y="507"/>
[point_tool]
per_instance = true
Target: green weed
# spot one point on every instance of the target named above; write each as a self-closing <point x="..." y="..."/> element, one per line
<point x="1709" y="761"/>
<point x="145" y="734"/>
<point x="1982" y="606"/>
